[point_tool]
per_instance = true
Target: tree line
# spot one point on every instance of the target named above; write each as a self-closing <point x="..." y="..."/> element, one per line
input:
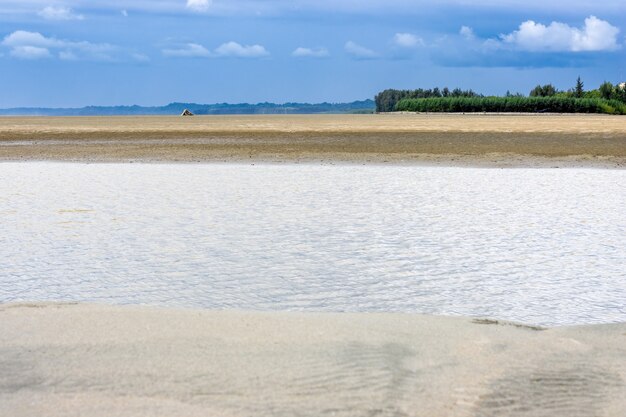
<point x="512" y="104"/>
<point x="386" y="100"/>
<point x="608" y="98"/>
<point x="607" y="91"/>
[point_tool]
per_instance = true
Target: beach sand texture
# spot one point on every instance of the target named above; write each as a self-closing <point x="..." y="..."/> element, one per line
<point x="90" y="360"/>
<point x="476" y="139"/>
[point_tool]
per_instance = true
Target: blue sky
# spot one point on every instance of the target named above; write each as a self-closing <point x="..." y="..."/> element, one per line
<point x="150" y="52"/>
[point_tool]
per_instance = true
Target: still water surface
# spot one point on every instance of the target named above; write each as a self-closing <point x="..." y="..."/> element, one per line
<point x="541" y="246"/>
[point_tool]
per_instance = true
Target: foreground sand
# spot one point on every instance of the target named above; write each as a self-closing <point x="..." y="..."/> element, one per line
<point x="85" y="360"/>
<point x="489" y="140"/>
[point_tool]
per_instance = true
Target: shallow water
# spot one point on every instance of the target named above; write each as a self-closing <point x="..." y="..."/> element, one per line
<point x="541" y="246"/>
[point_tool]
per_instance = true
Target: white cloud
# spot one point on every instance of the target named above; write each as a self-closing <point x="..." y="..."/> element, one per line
<point x="68" y="56"/>
<point x="242" y="51"/>
<point x="199" y="5"/>
<point x="407" y="40"/>
<point x="140" y="57"/>
<point x="30" y="52"/>
<point x="24" y="38"/>
<point x="190" y="50"/>
<point x="467" y="32"/>
<point x="310" y="52"/>
<point x="359" y="51"/>
<point x="31" y="45"/>
<point x="59" y="13"/>
<point x="228" y="49"/>
<point x="595" y="35"/>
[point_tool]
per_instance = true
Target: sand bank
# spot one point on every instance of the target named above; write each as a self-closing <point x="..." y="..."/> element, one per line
<point x="85" y="360"/>
<point x="451" y="139"/>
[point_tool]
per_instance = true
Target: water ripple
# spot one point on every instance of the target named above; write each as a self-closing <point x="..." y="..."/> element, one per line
<point x="534" y="245"/>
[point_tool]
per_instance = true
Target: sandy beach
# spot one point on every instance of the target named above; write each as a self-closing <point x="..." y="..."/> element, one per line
<point x="66" y="359"/>
<point x="93" y="360"/>
<point x="432" y="139"/>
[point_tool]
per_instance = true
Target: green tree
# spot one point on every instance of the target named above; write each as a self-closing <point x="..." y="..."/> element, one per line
<point x="536" y="92"/>
<point x="620" y="92"/>
<point x="607" y="91"/>
<point x="579" y="90"/>
<point x="547" y="90"/>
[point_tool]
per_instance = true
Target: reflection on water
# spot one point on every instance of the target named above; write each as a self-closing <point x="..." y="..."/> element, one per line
<point x="531" y="245"/>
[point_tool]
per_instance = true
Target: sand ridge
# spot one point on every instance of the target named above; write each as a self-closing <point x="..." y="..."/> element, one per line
<point x="75" y="359"/>
<point x="484" y="140"/>
<point x="396" y="122"/>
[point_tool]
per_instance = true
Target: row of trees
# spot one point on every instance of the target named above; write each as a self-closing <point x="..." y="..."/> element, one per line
<point x="388" y="100"/>
<point x="513" y="104"/>
<point x="607" y="91"/>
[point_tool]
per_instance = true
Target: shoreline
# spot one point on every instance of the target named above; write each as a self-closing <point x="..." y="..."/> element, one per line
<point x="489" y="161"/>
<point x="446" y="140"/>
<point x="99" y="360"/>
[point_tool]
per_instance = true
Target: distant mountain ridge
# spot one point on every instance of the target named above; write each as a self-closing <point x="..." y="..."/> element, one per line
<point x="364" y="106"/>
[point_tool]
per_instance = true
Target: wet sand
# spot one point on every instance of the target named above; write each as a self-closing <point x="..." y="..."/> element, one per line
<point x="433" y="139"/>
<point x="90" y="360"/>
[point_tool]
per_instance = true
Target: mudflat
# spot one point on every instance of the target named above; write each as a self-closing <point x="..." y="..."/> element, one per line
<point x="76" y="360"/>
<point x="448" y="139"/>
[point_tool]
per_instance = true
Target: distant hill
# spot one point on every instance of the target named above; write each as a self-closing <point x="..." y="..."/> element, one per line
<point x="365" y="106"/>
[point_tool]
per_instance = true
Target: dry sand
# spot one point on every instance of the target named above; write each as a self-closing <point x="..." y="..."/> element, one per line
<point x="446" y="139"/>
<point x="88" y="360"/>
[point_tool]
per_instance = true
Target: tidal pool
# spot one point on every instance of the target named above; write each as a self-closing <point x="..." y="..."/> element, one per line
<point x="540" y="246"/>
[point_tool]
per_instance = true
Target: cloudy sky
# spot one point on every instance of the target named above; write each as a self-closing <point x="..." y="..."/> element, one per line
<point x="62" y="53"/>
